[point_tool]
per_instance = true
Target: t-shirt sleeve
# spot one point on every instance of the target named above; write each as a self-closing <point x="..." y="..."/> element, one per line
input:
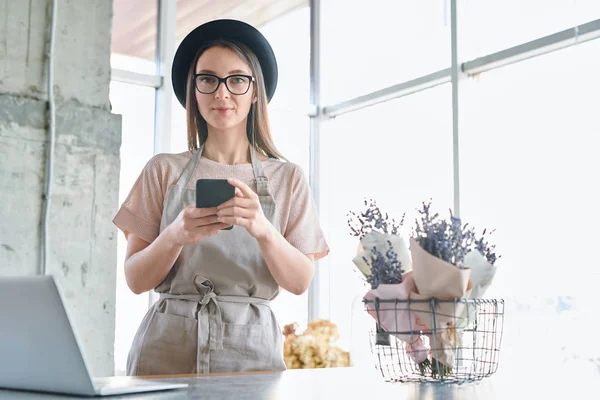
<point x="303" y="229"/>
<point x="141" y="212"/>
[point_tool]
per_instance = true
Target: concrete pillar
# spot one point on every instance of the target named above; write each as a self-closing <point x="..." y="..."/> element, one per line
<point x="82" y="239"/>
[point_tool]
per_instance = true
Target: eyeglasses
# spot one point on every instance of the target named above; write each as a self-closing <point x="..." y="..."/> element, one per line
<point x="236" y="84"/>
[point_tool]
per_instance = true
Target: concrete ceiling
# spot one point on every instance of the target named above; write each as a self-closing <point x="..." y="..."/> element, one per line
<point x="134" y="21"/>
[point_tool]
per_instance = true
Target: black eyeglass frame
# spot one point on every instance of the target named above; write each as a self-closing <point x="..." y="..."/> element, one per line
<point x="223" y="80"/>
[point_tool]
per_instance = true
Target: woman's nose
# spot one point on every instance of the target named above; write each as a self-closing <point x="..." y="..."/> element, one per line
<point x="222" y="91"/>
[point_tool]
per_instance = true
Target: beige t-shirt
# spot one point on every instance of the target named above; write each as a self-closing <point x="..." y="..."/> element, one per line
<point x="297" y="218"/>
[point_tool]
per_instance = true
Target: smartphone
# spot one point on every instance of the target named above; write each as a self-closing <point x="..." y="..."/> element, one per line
<point x="213" y="192"/>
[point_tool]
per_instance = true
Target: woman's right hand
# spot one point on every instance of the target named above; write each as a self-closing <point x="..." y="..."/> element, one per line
<point x="195" y="224"/>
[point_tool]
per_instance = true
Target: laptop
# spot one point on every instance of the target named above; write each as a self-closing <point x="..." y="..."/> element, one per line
<point x="39" y="350"/>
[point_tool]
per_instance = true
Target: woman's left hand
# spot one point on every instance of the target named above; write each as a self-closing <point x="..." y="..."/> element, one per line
<point x="245" y="210"/>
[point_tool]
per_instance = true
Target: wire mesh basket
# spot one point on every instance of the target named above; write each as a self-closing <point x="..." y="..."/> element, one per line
<point x="432" y="340"/>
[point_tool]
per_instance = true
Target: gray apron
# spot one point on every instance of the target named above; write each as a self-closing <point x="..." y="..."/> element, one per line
<point x="213" y="313"/>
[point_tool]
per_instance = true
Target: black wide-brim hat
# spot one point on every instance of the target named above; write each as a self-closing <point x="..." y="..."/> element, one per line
<point x="227" y="29"/>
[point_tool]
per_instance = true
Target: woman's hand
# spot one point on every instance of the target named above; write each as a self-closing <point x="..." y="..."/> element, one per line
<point x="195" y="224"/>
<point x="245" y="210"/>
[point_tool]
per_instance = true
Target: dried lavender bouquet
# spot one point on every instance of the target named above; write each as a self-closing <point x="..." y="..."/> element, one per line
<point x="380" y="257"/>
<point x="384" y="259"/>
<point x="458" y="245"/>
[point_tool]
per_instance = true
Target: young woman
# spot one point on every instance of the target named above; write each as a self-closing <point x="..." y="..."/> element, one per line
<point x="215" y="284"/>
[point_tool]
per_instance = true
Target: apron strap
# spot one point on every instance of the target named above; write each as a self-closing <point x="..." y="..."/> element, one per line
<point x="188" y="171"/>
<point x="262" y="183"/>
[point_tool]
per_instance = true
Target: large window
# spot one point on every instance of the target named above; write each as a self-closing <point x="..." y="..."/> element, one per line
<point x="527" y="144"/>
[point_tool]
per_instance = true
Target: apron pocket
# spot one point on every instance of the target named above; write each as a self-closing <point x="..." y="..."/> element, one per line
<point x="169" y="346"/>
<point x="245" y="348"/>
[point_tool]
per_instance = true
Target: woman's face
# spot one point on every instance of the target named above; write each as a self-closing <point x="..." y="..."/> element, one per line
<point x="223" y="109"/>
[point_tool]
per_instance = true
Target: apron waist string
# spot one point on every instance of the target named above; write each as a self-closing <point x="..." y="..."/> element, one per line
<point x="227" y="299"/>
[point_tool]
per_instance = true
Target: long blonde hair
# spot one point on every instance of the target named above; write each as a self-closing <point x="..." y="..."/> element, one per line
<point x="258" y="128"/>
